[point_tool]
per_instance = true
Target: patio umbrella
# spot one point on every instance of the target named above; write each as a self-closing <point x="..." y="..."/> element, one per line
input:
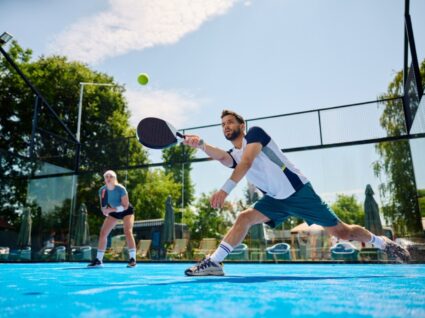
<point x="168" y="231"/>
<point x="371" y="211"/>
<point x="81" y="234"/>
<point x="24" y="236"/>
<point x="304" y="227"/>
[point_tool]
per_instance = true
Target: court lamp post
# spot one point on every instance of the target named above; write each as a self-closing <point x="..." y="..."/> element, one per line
<point x="80" y="103"/>
<point x="5" y="37"/>
<point x="78" y="137"/>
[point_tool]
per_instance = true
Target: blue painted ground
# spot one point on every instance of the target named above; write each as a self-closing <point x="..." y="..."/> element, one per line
<point x="248" y="290"/>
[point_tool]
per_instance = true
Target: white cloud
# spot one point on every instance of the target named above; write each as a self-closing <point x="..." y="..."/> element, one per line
<point x="134" y="25"/>
<point x="172" y="106"/>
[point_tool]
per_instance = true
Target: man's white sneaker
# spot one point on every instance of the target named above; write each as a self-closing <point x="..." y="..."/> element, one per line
<point x="396" y="251"/>
<point x="206" y="267"/>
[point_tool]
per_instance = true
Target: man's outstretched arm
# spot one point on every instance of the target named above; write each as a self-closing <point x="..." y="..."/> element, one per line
<point x="213" y="152"/>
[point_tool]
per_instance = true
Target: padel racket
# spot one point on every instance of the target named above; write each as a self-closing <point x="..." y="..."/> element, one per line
<point x="104" y="197"/>
<point x="156" y="133"/>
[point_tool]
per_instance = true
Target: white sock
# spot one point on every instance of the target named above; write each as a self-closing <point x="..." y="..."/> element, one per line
<point x="221" y="252"/>
<point x="99" y="255"/>
<point x="377" y="241"/>
<point x="132" y="252"/>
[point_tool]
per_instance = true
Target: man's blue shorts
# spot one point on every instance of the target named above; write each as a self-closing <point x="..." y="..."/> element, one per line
<point x="304" y="204"/>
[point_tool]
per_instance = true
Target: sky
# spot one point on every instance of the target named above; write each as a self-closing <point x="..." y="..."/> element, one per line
<point x="257" y="57"/>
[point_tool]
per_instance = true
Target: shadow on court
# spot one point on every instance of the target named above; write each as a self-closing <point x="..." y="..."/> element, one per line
<point x="244" y="280"/>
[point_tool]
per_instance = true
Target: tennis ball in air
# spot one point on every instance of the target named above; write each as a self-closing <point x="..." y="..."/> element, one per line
<point x="143" y="78"/>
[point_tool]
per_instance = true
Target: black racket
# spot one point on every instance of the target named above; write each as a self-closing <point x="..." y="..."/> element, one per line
<point x="156" y="133"/>
<point x="104" y="198"/>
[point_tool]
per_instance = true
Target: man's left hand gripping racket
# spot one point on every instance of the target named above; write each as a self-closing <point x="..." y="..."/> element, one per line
<point x="156" y="133"/>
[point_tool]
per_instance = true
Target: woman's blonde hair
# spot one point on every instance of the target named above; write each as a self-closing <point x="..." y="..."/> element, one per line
<point x="112" y="174"/>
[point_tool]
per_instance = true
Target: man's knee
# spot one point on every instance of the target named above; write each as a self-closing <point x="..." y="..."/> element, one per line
<point x="246" y="217"/>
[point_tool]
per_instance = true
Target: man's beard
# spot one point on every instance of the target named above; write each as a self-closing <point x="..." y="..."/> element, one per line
<point x="235" y="134"/>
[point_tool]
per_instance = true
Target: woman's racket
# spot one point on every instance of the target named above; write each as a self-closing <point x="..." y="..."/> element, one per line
<point x="156" y="133"/>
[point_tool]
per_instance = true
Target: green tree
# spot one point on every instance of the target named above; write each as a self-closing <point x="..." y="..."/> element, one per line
<point x="421" y="198"/>
<point x="149" y="197"/>
<point x="209" y="222"/>
<point x="173" y="157"/>
<point x="104" y="129"/>
<point x="348" y="209"/>
<point x="395" y="166"/>
<point x="15" y="120"/>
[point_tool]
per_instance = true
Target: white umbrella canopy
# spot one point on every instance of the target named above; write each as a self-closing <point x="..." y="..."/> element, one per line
<point x="304" y="227"/>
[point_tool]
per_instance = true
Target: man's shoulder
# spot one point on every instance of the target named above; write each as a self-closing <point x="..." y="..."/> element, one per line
<point x="255" y="129"/>
<point x="257" y="134"/>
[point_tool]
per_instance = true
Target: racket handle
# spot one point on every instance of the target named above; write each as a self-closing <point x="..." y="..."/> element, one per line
<point x="180" y="135"/>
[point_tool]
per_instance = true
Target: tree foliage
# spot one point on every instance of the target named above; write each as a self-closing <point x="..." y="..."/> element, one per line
<point x="210" y="222"/>
<point x="12" y="139"/>
<point x="104" y="142"/>
<point x="348" y="209"/>
<point x="149" y="197"/>
<point x="173" y="158"/>
<point x="421" y="198"/>
<point x="395" y="166"/>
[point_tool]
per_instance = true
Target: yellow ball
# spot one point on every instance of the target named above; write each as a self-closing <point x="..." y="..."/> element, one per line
<point x="143" y="78"/>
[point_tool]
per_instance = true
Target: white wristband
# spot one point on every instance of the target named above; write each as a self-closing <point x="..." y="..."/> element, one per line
<point x="119" y="208"/>
<point x="202" y="145"/>
<point x="228" y="186"/>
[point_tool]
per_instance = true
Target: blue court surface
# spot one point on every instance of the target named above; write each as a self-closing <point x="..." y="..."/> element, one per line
<point x="248" y="290"/>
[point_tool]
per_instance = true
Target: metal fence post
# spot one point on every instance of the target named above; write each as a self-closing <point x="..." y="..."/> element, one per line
<point x="34" y="126"/>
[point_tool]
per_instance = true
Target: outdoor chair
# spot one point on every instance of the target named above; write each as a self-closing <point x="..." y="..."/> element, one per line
<point x="117" y="246"/>
<point x="206" y="247"/>
<point x="372" y="254"/>
<point x="143" y="249"/>
<point x="345" y="252"/>
<point x="4" y="253"/>
<point x="59" y="253"/>
<point x="239" y="253"/>
<point x="21" y="254"/>
<point x="279" y="252"/>
<point x="81" y="253"/>
<point x="44" y="253"/>
<point x="179" y="249"/>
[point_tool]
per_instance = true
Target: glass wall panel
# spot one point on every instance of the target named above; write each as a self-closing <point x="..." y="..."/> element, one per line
<point x="292" y="131"/>
<point x="65" y="208"/>
<point x="418" y="157"/>
<point x="353" y="123"/>
<point x="417" y="9"/>
<point x="418" y="126"/>
<point x="35" y="211"/>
